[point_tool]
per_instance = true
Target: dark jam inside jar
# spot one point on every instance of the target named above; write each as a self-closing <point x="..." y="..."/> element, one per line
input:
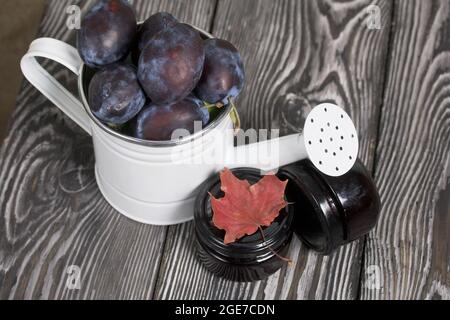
<point x="250" y="258"/>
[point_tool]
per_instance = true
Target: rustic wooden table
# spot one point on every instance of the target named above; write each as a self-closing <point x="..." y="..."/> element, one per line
<point x="395" y="83"/>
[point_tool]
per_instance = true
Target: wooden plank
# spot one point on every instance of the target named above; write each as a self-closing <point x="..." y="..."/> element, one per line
<point x="297" y="53"/>
<point x="52" y="215"/>
<point x="409" y="251"/>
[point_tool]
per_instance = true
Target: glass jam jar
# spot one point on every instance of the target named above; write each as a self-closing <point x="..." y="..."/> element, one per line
<point x="324" y="212"/>
<point x="250" y="258"/>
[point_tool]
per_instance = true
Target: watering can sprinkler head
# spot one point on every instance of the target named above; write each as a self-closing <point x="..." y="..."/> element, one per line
<point x="331" y="140"/>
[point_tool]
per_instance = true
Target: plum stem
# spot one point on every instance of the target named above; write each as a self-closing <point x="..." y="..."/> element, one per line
<point x="209" y="105"/>
<point x="115" y="127"/>
<point x="233" y="114"/>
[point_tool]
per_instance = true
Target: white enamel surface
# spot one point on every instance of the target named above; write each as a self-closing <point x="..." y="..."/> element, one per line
<point x="268" y="155"/>
<point x="157" y="175"/>
<point x="158" y="185"/>
<point x="331" y="139"/>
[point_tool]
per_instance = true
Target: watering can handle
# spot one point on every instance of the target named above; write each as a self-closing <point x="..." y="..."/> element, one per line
<point x="66" y="55"/>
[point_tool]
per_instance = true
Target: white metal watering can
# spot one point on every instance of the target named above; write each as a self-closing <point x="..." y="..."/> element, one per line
<point x="156" y="182"/>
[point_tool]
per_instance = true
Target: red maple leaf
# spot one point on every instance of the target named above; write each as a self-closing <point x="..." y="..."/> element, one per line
<point x="246" y="208"/>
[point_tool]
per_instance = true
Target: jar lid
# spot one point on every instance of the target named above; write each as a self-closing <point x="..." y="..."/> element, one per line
<point x="212" y="238"/>
<point x="331" y="211"/>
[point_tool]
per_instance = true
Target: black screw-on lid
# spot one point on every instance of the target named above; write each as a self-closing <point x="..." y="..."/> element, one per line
<point x="331" y="211"/>
<point x="249" y="247"/>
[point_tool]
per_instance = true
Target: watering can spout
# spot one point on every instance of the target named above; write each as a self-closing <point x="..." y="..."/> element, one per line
<point x="268" y="155"/>
<point x="329" y="140"/>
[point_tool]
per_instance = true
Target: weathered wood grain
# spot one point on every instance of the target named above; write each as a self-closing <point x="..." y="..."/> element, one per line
<point x="297" y="54"/>
<point x="410" y="248"/>
<point x="52" y="215"/>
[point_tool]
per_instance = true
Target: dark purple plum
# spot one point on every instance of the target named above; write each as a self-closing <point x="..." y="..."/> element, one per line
<point x="107" y="33"/>
<point x="201" y="105"/>
<point x="156" y="23"/>
<point x="223" y="73"/>
<point x="171" y="64"/>
<point x="115" y="96"/>
<point x="159" y="123"/>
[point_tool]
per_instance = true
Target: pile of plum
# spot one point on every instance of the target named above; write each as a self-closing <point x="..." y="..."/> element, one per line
<point x="156" y="77"/>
